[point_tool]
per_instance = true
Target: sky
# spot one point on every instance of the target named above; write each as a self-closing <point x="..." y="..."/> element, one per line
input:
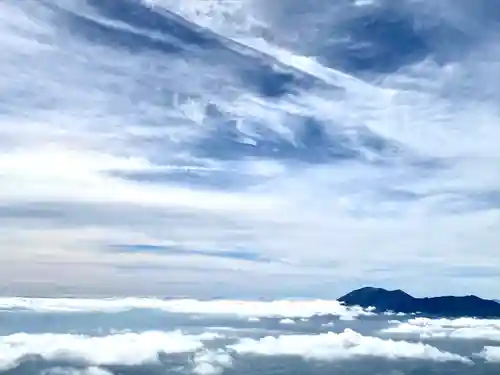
<point x="247" y="148"/>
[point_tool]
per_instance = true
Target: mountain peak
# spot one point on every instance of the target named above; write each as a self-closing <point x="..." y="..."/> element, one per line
<point x="370" y="290"/>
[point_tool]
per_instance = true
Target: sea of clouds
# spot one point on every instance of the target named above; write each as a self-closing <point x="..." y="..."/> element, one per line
<point x="306" y="330"/>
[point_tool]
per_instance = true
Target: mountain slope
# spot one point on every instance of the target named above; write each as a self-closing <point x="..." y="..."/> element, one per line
<point x="399" y="301"/>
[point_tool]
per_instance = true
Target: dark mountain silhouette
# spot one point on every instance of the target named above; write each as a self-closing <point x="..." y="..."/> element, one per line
<point x="398" y="301"/>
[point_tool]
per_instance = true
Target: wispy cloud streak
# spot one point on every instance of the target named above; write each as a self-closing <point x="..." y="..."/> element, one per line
<point x="227" y="125"/>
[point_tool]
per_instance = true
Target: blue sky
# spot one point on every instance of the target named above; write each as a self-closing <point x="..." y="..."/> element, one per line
<point x="249" y="148"/>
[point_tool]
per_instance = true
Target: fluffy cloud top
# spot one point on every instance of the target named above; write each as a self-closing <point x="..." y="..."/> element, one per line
<point x="462" y="328"/>
<point x="491" y="354"/>
<point x="131" y="349"/>
<point x="117" y="349"/>
<point x="344" y="345"/>
<point x="211" y="362"/>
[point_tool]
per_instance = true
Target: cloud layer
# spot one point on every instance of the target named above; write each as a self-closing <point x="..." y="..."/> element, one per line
<point x="242" y="308"/>
<point x="133" y="349"/>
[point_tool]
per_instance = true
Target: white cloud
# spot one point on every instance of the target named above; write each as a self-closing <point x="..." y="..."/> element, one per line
<point x="491" y="354"/>
<point x="287" y="321"/>
<point x="462" y="328"/>
<point x="116" y="349"/>
<point x="93" y="370"/>
<point x="345" y="345"/>
<point x="211" y="362"/>
<point x="251" y="310"/>
<point x="129" y="349"/>
<point x="68" y="175"/>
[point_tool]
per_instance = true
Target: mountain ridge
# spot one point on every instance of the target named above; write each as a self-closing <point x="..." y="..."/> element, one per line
<point x="398" y="301"/>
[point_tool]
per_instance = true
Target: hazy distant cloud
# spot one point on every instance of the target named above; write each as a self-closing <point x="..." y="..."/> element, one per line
<point x="285" y="309"/>
<point x="165" y="250"/>
<point x="462" y="328"/>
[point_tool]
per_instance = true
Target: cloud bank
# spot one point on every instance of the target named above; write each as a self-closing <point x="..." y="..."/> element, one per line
<point x="242" y="308"/>
<point x="491" y="354"/>
<point x="345" y="345"/>
<point x="462" y="328"/>
<point x="134" y="349"/>
<point x="119" y="349"/>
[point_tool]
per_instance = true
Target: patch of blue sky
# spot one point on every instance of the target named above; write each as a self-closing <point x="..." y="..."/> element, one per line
<point x="169" y="250"/>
